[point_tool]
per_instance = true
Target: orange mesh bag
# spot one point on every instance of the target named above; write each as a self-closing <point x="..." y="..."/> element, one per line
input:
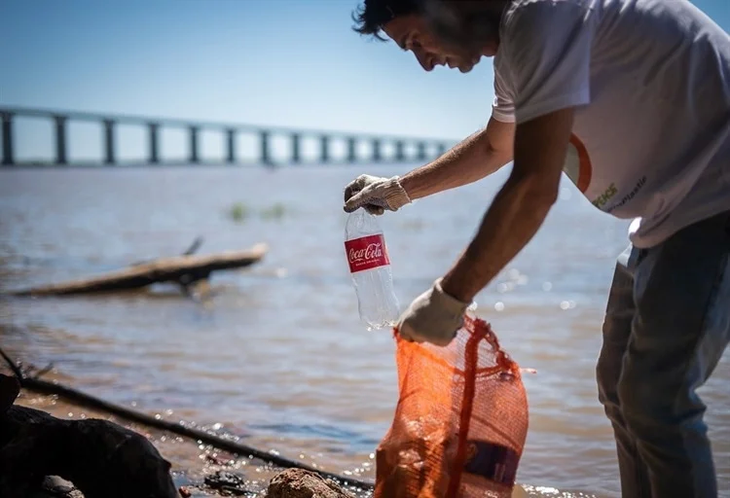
<point x="460" y="423"/>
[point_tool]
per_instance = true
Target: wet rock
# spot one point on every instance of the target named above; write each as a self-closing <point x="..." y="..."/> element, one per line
<point x="9" y="390"/>
<point x="102" y="459"/>
<point x="227" y="482"/>
<point x="298" y="483"/>
<point x="55" y="487"/>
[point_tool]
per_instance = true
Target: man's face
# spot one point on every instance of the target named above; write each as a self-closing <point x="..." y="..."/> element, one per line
<point x="412" y="33"/>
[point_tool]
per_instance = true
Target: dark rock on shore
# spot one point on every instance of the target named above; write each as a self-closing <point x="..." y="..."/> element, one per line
<point x="100" y="458"/>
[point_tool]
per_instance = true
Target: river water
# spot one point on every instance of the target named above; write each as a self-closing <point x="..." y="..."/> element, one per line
<point x="275" y="355"/>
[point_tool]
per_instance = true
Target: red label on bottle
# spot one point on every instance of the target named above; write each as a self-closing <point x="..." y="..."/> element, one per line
<point x="366" y="253"/>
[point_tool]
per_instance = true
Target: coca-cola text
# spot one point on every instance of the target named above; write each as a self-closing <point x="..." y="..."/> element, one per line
<point x="366" y="253"/>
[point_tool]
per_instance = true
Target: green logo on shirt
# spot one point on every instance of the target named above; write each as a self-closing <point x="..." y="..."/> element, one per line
<point x="630" y="195"/>
<point x="602" y="199"/>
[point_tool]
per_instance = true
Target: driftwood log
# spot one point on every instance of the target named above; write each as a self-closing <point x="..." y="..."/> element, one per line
<point x="102" y="459"/>
<point x="183" y="270"/>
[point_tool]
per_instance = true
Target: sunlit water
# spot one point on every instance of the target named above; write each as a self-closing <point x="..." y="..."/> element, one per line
<point x="276" y="355"/>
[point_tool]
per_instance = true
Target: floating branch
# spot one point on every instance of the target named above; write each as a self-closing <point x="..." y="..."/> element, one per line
<point x="183" y="270"/>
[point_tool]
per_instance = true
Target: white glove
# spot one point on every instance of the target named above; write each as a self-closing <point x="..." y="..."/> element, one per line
<point x="375" y="194"/>
<point x="433" y="317"/>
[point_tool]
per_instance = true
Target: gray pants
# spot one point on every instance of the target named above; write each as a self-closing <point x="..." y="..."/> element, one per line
<point x="667" y="324"/>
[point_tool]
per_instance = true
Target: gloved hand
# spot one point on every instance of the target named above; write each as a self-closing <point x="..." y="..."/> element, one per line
<point x="433" y="317"/>
<point x="375" y="194"/>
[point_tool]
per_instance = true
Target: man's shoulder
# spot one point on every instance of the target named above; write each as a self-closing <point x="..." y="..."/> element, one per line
<point x="546" y="10"/>
<point x="531" y="23"/>
<point x="516" y="5"/>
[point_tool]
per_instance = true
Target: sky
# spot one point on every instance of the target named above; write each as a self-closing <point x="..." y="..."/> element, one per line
<point x="293" y="63"/>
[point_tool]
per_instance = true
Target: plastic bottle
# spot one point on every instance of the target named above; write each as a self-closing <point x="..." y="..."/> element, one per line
<point x="367" y="256"/>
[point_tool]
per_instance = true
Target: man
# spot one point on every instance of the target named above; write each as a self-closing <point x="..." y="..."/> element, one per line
<point x="631" y="98"/>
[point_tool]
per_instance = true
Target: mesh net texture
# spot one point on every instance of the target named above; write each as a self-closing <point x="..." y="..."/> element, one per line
<point x="460" y="423"/>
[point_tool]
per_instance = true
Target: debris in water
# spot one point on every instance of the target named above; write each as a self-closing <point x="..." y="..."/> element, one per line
<point x="228" y="482"/>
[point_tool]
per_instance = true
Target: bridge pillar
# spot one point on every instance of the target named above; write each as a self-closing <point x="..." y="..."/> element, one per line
<point x="295" y="148"/>
<point x="265" y="155"/>
<point x="153" y="142"/>
<point x="231" y="140"/>
<point x="400" y="154"/>
<point x="7" y="131"/>
<point x="324" y="149"/>
<point x="109" y="141"/>
<point x="377" y="156"/>
<point x="61" y="139"/>
<point x="421" y="153"/>
<point x="351" y="150"/>
<point x="194" y="159"/>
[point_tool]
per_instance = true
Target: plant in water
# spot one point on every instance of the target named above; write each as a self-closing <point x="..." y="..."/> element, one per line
<point x="274" y="212"/>
<point x="239" y="212"/>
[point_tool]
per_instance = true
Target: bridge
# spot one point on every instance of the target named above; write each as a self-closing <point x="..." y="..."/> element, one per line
<point x="330" y="147"/>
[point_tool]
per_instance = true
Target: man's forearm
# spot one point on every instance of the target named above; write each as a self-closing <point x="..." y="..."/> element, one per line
<point x="469" y="161"/>
<point x="519" y="208"/>
<point x="516" y="213"/>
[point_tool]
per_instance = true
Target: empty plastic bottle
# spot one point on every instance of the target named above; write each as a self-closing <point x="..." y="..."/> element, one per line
<point x="370" y="268"/>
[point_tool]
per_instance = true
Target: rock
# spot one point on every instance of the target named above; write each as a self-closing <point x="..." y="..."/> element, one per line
<point x="55" y="487"/>
<point x="224" y="478"/>
<point x="9" y="390"/>
<point x="228" y="482"/>
<point x="298" y="483"/>
<point x="102" y="459"/>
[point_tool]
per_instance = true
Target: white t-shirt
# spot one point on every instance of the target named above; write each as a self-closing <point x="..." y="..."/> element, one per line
<point x="651" y="82"/>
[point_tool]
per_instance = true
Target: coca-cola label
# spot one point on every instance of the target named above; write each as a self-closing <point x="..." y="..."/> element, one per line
<point x="366" y="253"/>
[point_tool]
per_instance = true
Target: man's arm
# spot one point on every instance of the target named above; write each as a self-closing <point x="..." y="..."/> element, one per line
<point x="471" y="160"/>
<point x="520" y="207"/>
<point x="474" y="158"/>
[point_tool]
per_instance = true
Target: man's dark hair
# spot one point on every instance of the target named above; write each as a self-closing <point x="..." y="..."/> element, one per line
<point x="372" y="15"/>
